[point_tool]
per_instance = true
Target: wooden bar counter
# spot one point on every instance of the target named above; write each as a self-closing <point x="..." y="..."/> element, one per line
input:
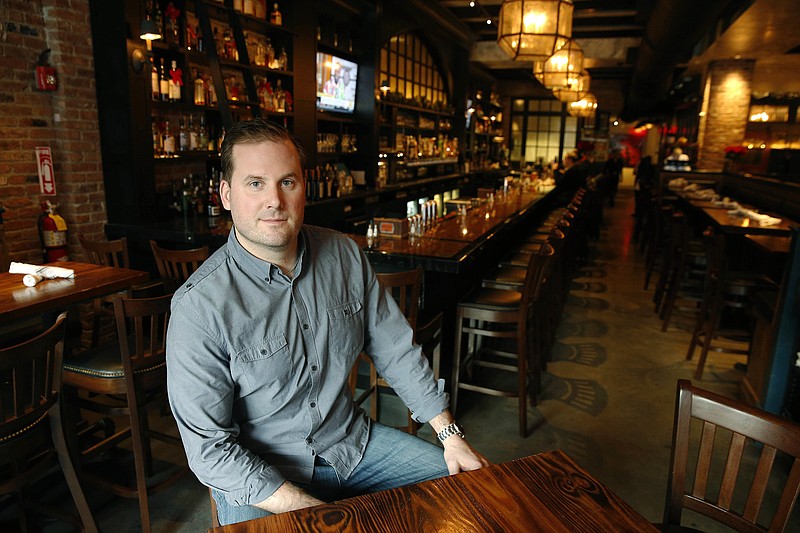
<point x="545" y="492"/>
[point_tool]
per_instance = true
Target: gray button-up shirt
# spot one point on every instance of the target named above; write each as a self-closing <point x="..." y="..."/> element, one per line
<point x="258" y="363"/>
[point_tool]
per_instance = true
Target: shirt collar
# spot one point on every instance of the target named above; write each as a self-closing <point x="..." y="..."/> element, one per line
<point x="263" y="269"/>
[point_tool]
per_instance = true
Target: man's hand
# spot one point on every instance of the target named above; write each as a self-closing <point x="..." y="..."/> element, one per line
<point x="458" y="454"/>
<point x="288" y="497"/>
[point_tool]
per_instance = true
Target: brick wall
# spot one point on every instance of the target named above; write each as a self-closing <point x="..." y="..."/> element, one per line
<point x="726" y="101"/>
<point x="65" y="120"/>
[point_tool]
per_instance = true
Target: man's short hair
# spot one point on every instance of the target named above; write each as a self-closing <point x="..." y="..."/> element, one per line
<point x="254" y="131"/>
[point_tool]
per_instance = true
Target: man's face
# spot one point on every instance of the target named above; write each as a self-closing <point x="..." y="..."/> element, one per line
<point x="266" y="198"/>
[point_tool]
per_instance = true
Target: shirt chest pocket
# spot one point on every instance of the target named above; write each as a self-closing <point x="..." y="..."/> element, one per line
<point x="266" y="363"/>
<point x="346" y="328"/>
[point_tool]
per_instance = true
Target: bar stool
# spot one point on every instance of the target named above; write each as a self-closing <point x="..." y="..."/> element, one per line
<point x="405" y="287"/>
<point x="725" y="313"/>
<point x="498" y="314"/>
<point x="126" y="380"/>
<point x="31" y="429"/>
<point x="683" y="273"/>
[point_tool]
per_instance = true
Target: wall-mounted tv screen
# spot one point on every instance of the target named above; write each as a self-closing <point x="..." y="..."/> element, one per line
<point x="336" y="83"/>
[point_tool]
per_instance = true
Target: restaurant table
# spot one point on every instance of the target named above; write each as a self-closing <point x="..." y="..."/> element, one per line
<point x="544" y="492"/>
<point x="90" y="281"/>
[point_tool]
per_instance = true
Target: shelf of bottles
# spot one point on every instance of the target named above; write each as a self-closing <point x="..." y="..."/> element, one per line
<point x="185" y="110"/>
<point x="414" y="143"/>
<point x="484" y="130"/>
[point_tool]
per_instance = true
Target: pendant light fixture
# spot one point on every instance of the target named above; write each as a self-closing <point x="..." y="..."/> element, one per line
<point x="557" y="70"/>
<point x="585" y="107"/>
<point x="577" y="86"/>
<point x="532" y="30"/>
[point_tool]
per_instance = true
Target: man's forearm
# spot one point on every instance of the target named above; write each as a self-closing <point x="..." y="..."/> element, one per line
<point x="288" y="497"/>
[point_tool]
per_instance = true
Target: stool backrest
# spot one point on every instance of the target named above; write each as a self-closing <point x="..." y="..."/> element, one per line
<point x="726" y="427"/>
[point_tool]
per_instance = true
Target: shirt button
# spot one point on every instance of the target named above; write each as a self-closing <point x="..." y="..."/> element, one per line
<point x="313" y="368"/>
<point x="309" y="440"/>
<point x="346" y="312"/>
<point x="263" y="352"/>
<point x="313" y="404"/>
<point x="305" y="326"/>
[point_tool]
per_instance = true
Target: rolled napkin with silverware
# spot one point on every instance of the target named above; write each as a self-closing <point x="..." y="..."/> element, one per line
<point x="36" y="273"/>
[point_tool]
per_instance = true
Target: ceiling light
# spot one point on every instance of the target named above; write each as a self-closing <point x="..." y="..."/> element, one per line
<point x="585" y="107"/>
<point x="557" y="70"/>
<point x="577" y="86"/>
<point x="532" y="30"/>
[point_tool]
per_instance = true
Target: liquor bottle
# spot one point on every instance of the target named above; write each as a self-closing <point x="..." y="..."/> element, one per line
<point x="238" y="5"/>
<point x="283" y="59"/>
<point x="276" y="17"/>
<point x="270" y="54"/>
<point x="199" y="88"/>
<point x="169" y="140"/>
<point x="186" y="195"/>
<point x="201" y="45"/>
<point x="163" y="84"/>
<point x="183" y="135"/>
<point x="155" y="82"/>
<point x="171" y="25"/>
<point x="175" y="83"/>
<point x="202" y="134"/>
<point x="214" y="204"/>
<point x="158" y="140"/>
<point x="249" y="8"/>
<point x="279" y="98"/>
<point x="193" y="136"/>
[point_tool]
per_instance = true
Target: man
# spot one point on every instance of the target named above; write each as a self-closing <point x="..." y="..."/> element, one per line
<point x="262" y="339"/>
<point x="612" y="170"/>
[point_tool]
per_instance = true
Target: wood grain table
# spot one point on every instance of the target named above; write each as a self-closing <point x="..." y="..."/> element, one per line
<point x="90" y="281"/>
<point x="548" y="492"/>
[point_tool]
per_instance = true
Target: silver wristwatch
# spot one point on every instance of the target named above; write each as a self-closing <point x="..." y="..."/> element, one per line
<point x="454" y="428"/>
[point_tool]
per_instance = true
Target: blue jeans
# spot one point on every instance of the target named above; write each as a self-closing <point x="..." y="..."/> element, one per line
<point x="392" y="459"/>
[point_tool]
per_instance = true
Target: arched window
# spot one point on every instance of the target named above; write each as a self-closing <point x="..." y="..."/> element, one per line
<point x="411" y="70"/>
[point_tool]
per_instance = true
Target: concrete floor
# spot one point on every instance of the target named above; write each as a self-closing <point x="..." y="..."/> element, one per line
<point x="607" y="398"/>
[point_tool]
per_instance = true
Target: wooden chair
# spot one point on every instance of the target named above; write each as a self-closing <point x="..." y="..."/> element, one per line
<point x="129" y="381"/>
<point x="506" y="315"/>
<point x="112" y="253"/>
<point x="405" y="287"/>
<point x="730" y="431"/>
<point x="175" y="266"/>
<point x="31" y="430"/>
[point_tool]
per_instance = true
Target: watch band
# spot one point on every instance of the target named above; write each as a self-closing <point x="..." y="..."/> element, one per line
<point x="454" y="428"/>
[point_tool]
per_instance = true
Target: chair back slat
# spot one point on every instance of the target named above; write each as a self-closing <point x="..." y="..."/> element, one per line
<point x="175" y="266"/>
<point x="107" y="253"/>
<point x="405" y="288"/>
<point x="142" y="327"/>
<point x="736" y="436"/>
<point x="29" y="379"/>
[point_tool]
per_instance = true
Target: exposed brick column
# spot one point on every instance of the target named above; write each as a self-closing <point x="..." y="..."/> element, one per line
<point x="75" y="122"/>
<point x="65" y="120"/>
<point x="726" y="103"/>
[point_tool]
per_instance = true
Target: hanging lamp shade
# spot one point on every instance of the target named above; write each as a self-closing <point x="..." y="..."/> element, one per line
<point x="557" y="70"/>
<point x="577" y="86"/>
<point x="585" y="107"/>
<point x="532" y="30"/>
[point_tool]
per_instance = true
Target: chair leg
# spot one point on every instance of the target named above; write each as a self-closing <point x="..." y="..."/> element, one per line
<point x="522" y="378"/>
<point x="456" y="363"/>
<point x="140" y="458"/>
<point x="374" y="408"/>
<point x="708" y="334"/>
<point x="68" y="467"/>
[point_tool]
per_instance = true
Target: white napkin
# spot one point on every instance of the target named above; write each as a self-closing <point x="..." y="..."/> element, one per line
<point x="761" y="218"/>
<point x="34" y="273"/>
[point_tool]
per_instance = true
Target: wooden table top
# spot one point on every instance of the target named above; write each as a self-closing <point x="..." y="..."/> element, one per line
<point x="743" y="225"/>
<point x="544" y="492"/>
<point x="90" y="281"/>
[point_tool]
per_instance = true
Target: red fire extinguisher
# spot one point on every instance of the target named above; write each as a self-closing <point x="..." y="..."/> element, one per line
<point x="53" y="234"/>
